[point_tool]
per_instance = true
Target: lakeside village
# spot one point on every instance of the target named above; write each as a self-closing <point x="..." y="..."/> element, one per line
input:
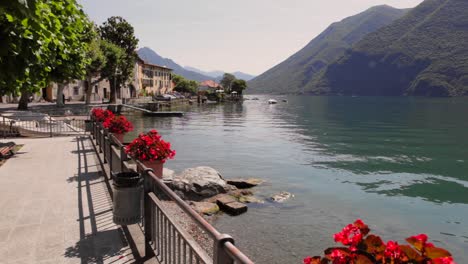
<point x="105" y="200"/>
<point x="149" y="83"/>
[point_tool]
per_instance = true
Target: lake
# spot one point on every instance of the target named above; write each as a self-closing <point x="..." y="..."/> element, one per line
<point x="400" y="164"/>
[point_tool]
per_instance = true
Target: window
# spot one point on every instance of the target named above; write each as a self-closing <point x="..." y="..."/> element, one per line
<point x="95" y="89"/>
<point x="76" y="90"/>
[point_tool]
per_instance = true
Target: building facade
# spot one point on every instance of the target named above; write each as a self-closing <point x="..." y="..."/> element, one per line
<point x="152" y="79"/>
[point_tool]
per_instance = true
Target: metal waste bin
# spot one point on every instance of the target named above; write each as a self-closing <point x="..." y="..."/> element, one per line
<point x="128" y="195"/>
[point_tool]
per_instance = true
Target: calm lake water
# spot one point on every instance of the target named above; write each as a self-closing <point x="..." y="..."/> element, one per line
<point x="400" y="164"/>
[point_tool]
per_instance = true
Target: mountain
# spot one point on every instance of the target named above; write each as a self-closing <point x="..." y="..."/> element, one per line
<point x="212" y="74"/>
<point x="424" y="53"/>
<point x="243" y="75"/>
<point x="151" y="56"/>
<point x="218" y="75"/>
<point x="293" y="74"/>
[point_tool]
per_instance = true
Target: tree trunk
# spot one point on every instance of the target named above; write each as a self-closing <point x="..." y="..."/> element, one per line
<point x="113" y="89"/>
<point x="89" y="89"/>
<point x="24" y="100"/>
<point x="60" y="101"/>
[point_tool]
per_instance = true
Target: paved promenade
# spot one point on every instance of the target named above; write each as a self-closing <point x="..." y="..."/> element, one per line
<point x="55" y="206"/>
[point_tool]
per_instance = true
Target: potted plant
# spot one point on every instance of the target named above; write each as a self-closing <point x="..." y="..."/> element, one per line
<point x="361" y="247"/>
<point x="118" y="125"/>
<point x="128" y="190"/>
<point x="151" y="150"/>
<point x="100" y="115"/>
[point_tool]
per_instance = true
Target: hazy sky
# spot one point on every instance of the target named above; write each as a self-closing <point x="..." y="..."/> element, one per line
<point x="230" y="35"/>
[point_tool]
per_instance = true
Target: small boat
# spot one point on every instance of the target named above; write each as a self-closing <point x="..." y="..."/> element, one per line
<point x="255" y="98"/>
<point x="284" y="100"/>
<point x="272" y="101"/>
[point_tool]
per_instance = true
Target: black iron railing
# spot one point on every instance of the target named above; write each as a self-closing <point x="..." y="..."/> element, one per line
<point x="165" y="239"/>
<point x="42" y="126"/>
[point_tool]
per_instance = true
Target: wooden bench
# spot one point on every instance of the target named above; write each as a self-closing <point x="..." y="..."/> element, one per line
<point x="6" y="150"/>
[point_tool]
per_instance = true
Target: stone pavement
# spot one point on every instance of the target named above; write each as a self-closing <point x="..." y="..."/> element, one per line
<point x="55" y="206"/>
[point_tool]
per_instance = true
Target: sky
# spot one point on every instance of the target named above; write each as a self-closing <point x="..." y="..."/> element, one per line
<point x="230" y="35"/>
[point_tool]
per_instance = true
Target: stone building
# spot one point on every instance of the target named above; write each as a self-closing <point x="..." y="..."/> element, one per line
<point x="152" y="79"/>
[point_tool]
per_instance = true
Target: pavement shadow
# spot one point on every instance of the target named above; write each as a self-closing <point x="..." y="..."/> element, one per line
<point x="99" y="247"/>
<point x="100" y="239"/>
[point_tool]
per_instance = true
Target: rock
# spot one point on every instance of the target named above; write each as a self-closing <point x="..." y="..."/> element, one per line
<point x="198" y="183"/>
<point x="240" y="193"/>
<point x="230" y="205"/>
<point x="250" y="199"/>
<point x="281" y="197"/>
<point x="225" y="199"/>
<point x="244" y="183"/>
<point x="205" y="208"/>
<point x="168" y="175"/>
<point x="234" y="208"/>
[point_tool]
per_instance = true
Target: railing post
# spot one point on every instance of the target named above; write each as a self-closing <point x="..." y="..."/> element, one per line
<point x="50" y="126"/>
<point x="123" y="157"/>
<point x="220" y="256"/>
<point x="147" y="213"/>
<point x="4" y="127"/>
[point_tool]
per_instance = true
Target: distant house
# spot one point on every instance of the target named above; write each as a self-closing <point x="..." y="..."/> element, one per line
<point x="209" y="85"/>
<point x="152" y="78"/>
<point x="76" y="91"/>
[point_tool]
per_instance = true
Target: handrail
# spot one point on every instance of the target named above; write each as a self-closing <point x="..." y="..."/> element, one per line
<point x="225" y="252"/>
<point x="183" y="205"/>
<point x="235" y="253"/>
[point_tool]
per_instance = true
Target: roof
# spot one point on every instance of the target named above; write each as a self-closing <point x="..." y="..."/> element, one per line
<point x="151" y="64"/>
<point x="210" y="83"/>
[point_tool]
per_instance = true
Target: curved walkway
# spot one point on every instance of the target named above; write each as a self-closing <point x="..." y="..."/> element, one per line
<point x="55" y="206"/>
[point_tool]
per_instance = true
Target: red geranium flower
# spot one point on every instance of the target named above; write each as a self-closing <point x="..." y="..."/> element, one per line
<point x="100" y="115"/>
<point x="118" y="125"/>
<point x="352" y="234"/>
<point x="150" y="147"/>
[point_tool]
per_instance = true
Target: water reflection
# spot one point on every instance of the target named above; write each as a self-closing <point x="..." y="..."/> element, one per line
<point x="400" y="163"/>
<point x="378" y="136"/>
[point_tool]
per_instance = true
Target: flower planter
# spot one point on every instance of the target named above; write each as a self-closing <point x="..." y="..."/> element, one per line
<point x="157" y="167"/>
<point x="127" y="194"/>
<point x="119" y="137"/>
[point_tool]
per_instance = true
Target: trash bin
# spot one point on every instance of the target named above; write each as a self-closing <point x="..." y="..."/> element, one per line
<point x="128" y="195"/>
<point x="88" y="125"/>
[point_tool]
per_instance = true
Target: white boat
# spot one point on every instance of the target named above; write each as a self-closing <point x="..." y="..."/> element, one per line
<point x="272" y="101"/>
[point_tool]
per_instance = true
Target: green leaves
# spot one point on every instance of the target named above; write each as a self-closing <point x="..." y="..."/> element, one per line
<point x="41" y="41"/>
<point x="9" y="17"/>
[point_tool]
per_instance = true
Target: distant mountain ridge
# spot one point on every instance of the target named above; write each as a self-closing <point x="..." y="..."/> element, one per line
<point x="218" y="75"/>
<point x="151" y="56"/>
<point x="295" y="73"/>
<point x="424" y="53"/>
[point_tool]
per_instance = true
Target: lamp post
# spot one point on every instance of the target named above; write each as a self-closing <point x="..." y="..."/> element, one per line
<point x="117" y="72"/>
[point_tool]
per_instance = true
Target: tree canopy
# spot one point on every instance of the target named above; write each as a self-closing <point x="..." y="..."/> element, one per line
<point x="184" y="85"/>
<point x="118" y="31"/>
<point x="239" y="86"/>
<point x="227" y="80"/>
<point x="46" y="41"/>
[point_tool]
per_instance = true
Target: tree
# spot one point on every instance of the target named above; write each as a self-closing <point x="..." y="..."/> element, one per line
<point x="239" y="86"/>
<point x="227" y="80"/>
<point x="42" y="41"/>
<point x="98" y="62"/>
<point x="114" y="58"/>
<point x="118" y="31"/>
<point x="183" y="85"/>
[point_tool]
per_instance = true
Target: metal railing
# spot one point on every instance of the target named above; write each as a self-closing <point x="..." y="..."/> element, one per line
<point x="41" y="126"/>
<point x="165" y="239"/>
